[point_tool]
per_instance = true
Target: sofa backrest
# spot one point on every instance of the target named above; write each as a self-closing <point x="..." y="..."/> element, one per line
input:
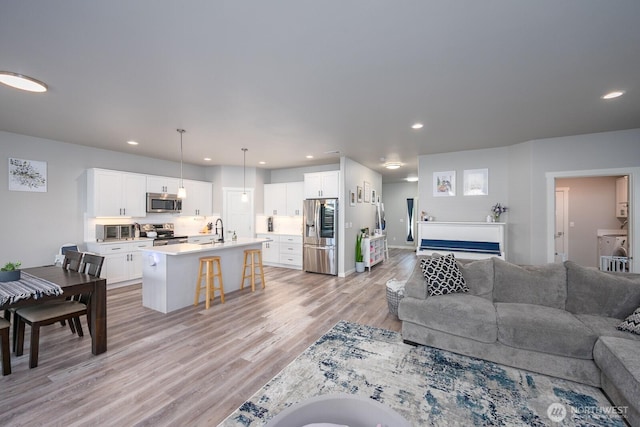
<point x="591" y="291"/>
<point x="536" y="284"/>
<point x="416" y="286"/>
<point x="478" y="276"/>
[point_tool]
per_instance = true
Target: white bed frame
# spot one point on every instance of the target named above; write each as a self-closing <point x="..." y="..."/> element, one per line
<point x="468" y="231"/>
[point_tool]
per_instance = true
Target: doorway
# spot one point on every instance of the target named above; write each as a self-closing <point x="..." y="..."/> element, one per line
<point x="589" y="214"/>
<point x="237" y="214"/>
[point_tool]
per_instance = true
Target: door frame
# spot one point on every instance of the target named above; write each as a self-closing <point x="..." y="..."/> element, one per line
<point x="565" y="220"/>
<point x="633" y="226"/>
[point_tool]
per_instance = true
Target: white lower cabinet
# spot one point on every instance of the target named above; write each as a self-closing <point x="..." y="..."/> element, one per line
<point x="270" y="250"/>
<point x="291" y="251"/>
<point x="122" y="260"/>
<point x="282" y="251"/>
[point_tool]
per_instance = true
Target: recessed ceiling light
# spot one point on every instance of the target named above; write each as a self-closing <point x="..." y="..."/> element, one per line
<point x="19" y="81"/>
<point x="132" y="142"/>
<point x="612" y="95"/>
<point x="207" y="159"/>
<point x="417" y="126"/>
<point x="309" y="156"/>
<point x="262" y="162"/>
<point x="412" y="179"/>
<point x="392" y="165"/>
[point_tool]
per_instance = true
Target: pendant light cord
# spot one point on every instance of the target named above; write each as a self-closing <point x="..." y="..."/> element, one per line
<point x="181" y="131"/>
<point x="244" y="170"/>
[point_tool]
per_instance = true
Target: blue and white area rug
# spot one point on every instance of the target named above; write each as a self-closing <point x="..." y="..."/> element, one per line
<point x="427" y="386"/>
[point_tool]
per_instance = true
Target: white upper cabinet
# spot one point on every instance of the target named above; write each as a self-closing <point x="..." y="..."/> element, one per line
<point x="322" y="184"/>
<point x="622" y="197"/>
<point x="295" y="196"/>
<point x="275" y="202"/>
<point x="114" y="193"/>
<point x="162" y="184"/>
<point x="283" y="199"/>
<point x="199" y="200"/>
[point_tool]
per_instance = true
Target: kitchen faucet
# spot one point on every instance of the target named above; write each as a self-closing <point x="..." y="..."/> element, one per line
<point x="221" y="239"/>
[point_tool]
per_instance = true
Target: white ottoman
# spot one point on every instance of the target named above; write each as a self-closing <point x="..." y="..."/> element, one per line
<point x="340" y="409"/>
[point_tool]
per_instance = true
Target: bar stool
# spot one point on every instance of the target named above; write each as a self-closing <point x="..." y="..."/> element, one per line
<point x="4" y="332"/>
<point x="209" y="275"/>
<point x="252" y="260"/>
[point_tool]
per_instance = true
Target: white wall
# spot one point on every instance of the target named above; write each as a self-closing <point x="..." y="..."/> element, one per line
<point x="518" y="178"/>
<point x="395" y="207"/>
<point x="36" y="224"/>
<point x="599" y="151"/>
<point x="461" y="207"/>
<point x="356" y="217"/>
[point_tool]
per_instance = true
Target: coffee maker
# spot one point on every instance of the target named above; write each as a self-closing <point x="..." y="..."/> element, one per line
<point x="270" y="224"/>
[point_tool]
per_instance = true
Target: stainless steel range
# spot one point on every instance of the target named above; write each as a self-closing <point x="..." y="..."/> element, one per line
<point x="162" y="234"/>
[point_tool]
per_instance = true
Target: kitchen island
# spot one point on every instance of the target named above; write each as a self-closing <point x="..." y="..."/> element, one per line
<point x="169" y="273"/>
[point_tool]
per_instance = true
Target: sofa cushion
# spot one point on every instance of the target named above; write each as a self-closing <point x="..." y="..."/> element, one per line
<point x="591" y="291"/>
<point x="544" y="329"/>
<point x="416" y="286"/>
<point x="605" y="326"/>
<point x="443" y="276"/>
<point x="619" y="362"/>
<point x="541" y="285"/>
<point x="478" y="276"/>
<point x="462" y="315"/>
<point x="631" y="323"/>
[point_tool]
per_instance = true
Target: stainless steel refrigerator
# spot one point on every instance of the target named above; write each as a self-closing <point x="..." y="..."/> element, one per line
<point x="320" y="251"/>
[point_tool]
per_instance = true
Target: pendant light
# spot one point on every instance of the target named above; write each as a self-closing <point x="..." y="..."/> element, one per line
<point x="182" y="193"/>
<point x="244" y="174"/>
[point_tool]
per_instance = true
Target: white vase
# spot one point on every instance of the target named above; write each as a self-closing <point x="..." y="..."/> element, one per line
<point x="360" y="267"/>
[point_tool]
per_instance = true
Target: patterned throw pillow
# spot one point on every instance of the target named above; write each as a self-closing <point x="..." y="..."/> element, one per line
<point x="443" y="276"/>
<point x="631" y="323"/>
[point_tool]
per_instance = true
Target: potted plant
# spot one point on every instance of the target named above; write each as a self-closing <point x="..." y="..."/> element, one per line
<point x="359" y="256"/>
<point x="10" y="272"/>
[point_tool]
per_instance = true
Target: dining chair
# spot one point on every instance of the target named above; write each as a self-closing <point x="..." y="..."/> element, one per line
<point x="72" y="261"/>
<point x="40" y="315"/>
<point x="47" y="314"/>
<point x="4" y="334"/>
<point x="91" y="265"/>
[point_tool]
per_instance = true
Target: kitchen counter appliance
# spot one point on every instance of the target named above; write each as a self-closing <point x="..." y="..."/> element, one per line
<point x="320" y="241"/>
<point x="108" y="232"/>
<point x="163" y="203"/>
<point x="164" y="234"/>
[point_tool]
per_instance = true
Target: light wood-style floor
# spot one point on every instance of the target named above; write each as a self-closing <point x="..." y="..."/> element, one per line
<point x="189" y="367"/>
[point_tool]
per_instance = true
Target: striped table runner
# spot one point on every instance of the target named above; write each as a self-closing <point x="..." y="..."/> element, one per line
<point x="28" y="286"/>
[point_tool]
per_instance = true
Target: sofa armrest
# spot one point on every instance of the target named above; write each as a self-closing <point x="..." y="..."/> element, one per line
<point x="416" y="286"/>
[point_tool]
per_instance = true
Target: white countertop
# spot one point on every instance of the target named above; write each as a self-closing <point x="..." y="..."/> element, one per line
<point x="190" y="248"/>
<point x="121" y="241"/>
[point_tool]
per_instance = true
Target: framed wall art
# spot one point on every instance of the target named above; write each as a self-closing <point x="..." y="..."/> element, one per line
<point x="367" y="192"/>
<point x="373" y="196"/>
<point x="27" y="175"/>
<point x="359" y="194"/>
<point x="476" y="182"/>
<point x="444" y="184"/>
<point x="352" y="198"/>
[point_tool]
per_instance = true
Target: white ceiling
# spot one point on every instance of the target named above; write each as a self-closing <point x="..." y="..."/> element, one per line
<point x="287" y="78"/>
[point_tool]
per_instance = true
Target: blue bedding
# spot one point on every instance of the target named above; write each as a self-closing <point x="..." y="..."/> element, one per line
<point x="461" y="246"/>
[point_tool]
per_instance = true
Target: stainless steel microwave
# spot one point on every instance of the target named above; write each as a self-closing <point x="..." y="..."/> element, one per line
<point x="163" y="202"/>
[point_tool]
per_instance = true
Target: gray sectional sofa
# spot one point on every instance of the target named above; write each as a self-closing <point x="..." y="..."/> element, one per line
<point x="555" y="319"/>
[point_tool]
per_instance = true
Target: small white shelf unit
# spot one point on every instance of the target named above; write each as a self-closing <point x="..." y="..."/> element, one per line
<point x="373" y="250"/>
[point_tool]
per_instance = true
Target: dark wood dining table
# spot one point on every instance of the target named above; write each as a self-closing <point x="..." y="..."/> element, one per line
<point x="74" y="283"/>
